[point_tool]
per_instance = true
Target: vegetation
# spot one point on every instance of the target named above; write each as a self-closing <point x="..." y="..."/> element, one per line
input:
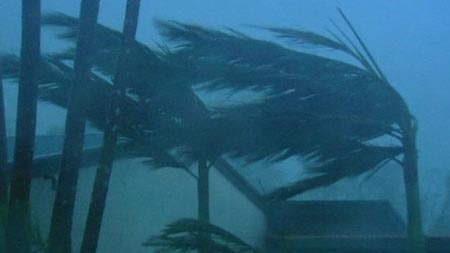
<point x="327" y="111"/>
<point x="4" y="182"/>
<point x="18" y="226"/>
<point x="61" y="224"/>
<point x="330" y="113"/>
<point x="184" y="235"/>
<point x="3" y="155"/>
<point x="111" y="132"/>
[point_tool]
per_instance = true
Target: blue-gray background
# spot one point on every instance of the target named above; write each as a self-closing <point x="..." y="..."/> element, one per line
<point x="409" y="38"/>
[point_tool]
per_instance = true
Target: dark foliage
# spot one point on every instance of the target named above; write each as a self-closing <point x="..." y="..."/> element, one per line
<point x="324" y="110"/>
<point x="184" y="236"/>
<point x="321" y="109"/>
<point x="331" y="113"/>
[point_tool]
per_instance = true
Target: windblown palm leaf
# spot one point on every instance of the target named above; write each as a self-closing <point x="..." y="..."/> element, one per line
<point x="160" y="107"/>
<point x="321" y="109"/>
<point x="324" y="110"/>
<point x="184" y="236"/>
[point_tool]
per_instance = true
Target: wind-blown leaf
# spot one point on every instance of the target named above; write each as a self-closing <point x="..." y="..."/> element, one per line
<point x="355" y="163"/>
<point x="320" y="109"/>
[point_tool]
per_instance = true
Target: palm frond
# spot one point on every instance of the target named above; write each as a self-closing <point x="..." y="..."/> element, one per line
<point x="184" y="235"/>
<point x="352" y="164"/>
<point x="321" y="109"/>
<point x="308" y="38"/>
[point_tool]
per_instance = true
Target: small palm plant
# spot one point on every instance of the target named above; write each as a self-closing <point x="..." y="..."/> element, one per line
<point x="184" y="235"/>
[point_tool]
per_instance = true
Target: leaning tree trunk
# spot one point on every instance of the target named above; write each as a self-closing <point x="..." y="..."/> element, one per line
<point x="114" y="117"/>
<point x="416" y="237"/>
<point x="3" y="157"/>
<point x="3" y="168"/>
<point x="203" y="202"/>
<point x="18" y="229"/>
<point x="61" y="223"/>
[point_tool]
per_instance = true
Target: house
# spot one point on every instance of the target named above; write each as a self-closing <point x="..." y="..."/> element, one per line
<point x="142" y="200"/>
<point x="334" y="226"/>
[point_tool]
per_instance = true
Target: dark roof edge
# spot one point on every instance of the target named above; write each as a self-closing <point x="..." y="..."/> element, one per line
<point x="240" y="183"/>
<point x="47" y="165"/>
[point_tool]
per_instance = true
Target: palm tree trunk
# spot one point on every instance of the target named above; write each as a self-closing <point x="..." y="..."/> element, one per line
<point x="203" y="201"/>
<point x="18" y="229"/>
<point x="416" y="237"/>
<point x="100" y="190"/>
<point x="61" y="223"/>
<point x="3" y="168"/>
<point x="3" y="156"/>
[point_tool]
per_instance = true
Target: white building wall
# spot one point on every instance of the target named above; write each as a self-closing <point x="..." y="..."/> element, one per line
<point x="141" y="201"/>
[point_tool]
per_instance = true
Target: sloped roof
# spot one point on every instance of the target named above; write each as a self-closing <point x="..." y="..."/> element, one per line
<point x="47" y="155"/>
<point x="52" y="144"/>
<point x="47" y="152"/>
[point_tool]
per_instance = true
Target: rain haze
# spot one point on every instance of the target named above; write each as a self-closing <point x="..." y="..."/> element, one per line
<point x="409" y="39"/>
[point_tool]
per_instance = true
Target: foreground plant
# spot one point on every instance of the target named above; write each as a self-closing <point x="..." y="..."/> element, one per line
<point x="185" y="235"/>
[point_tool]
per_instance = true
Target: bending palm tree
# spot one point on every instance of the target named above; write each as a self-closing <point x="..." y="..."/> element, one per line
<point x="326" y="111"/>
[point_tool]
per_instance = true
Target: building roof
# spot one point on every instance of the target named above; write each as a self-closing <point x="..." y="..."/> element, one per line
<point x="334" y="218"/>
<point x="46" y="145"/>
<point x="47" y="152"/>
<point x="48" y="149"/>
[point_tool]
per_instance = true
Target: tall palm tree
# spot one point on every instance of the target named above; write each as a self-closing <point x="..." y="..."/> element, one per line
<point x="18" y="229"/>
<point x="327" y="111"/>
<point x="111" y="132"/>
<point x="61" y="223"/>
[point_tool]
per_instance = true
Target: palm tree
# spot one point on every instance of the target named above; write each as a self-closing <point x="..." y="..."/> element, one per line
<point x="98" y="199"/>
<point x="168" y="106"/>
<point x="18" y="228"/>
<point x="61" y="223"/>
<point x="327" y="111"/>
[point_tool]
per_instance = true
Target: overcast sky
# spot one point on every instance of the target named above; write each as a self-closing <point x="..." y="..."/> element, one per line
<point x="409" y="38"/>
